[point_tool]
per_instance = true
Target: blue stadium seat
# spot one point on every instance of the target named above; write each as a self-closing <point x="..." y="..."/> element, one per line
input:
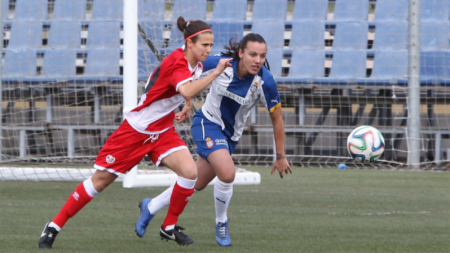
<point x="391" y="36"/>
<point x="155" y="32"/>
<point x="351" y="36"/>
<point x="310" y="10"/>
<point x="19" y="65"/>
<point x="392" y="10"/>
<point x="434" y="10"/>
<point x="30" y="10"/>
<point x="25" y="35"/>
<point x="59" y="65"/>
<point x="434" y="68"/>
<point x="348" y="66"/>
<point x="389" y="67"/>
<point x="69" y="10"/>
<point x="269" y="10"/>
<point x="272" y="32"/>
<point x="64" y="34"/>
<point x="103" y="34"/>
<point x="225" y="30"/>
<point x="351" y="10"/>
<point x="151" y="10"/>
<point x="434" y="35"/>
<point x="5" y="9"/>
<point x="147" y="62"/>
<point x="308" y="35"/>
<point x="176" y="38"/>
<point x="307" y="66"/>
<point x="107" y="10"/>
<point x="189" y="9"/>
<point x="275" y="59"/>
<point x="96" y="70"/>
<point x="229" y="10"/>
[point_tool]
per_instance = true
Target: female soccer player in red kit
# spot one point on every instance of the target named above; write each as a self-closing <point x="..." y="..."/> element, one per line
<point x="148" y="130"/>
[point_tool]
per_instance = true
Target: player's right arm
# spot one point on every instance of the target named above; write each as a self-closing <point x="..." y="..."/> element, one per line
<point x="191" y="89"/>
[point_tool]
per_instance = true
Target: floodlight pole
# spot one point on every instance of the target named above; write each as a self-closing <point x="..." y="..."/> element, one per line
<point x="130" y="58"/>
<point x="413" y="102"/>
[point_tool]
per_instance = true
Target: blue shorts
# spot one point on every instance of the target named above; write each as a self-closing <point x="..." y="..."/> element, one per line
<point x="209" y="137"/>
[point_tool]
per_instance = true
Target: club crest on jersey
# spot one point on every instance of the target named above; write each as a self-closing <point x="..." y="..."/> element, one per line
<point x="209" y="142"/>
<point x="110" y="159"/>
<point x="254" y="87"/>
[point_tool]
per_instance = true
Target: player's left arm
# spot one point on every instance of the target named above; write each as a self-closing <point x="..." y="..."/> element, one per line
<point x="271" y="98"/>
<point x="280" y="164"/>
<point x="185" y="112"/>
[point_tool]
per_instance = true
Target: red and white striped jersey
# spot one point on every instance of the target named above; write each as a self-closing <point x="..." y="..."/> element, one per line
<point x="155" y="111"/>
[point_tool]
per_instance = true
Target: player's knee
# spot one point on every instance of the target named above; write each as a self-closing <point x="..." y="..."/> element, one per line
<point x="227" y="178"/>
<point x="189" y="172"/>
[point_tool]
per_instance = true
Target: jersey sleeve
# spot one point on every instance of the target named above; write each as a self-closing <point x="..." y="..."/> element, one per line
<point x="180" y="74"/>
<point x="211" y="63"/>
<point x="270" y="97"/>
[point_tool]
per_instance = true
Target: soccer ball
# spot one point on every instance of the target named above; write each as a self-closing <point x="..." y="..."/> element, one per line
<point x="365" y="144"/>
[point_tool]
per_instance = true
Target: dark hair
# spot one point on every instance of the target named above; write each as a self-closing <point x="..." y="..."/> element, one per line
<point x="191" y="27"/>
<point x="233" y="49"/>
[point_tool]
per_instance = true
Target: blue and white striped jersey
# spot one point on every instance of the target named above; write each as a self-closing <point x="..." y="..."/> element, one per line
<point x="231" y="98"/>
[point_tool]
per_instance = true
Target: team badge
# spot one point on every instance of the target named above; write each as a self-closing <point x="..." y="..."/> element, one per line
<point x="254" y="87"/>
<point x="209" y="142"/>
<point x="110" y="159"/>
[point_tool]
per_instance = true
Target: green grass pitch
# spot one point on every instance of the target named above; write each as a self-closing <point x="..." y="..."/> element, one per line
<point x="312" y="210"/>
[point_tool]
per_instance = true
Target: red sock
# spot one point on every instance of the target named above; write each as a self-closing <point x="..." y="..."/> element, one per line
<point x="178" y="201"/>
<point x="76" y="201"/>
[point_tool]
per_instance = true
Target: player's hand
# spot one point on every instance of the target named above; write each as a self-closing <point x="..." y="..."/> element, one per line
<point x="281" y="165"/>
<point x="222" y="65"/>
<point x="184" y="113"/>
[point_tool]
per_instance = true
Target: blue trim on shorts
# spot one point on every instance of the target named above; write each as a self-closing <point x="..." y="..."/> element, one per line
<point x="210" y="137"/>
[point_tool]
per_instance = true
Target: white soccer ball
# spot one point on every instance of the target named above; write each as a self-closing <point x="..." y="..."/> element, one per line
<point x="365" y="144"/>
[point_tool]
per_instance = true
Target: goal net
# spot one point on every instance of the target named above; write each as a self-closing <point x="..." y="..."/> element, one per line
<point x="338" y="65"/>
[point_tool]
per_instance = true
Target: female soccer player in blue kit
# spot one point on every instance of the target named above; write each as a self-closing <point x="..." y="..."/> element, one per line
<point x="218" y="126"/>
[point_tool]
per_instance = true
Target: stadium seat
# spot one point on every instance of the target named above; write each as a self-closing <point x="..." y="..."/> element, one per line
<point x="107" y="10"/>
<point x="308" y="35"/>
<point x="434" y="35"/>
<point x="5" y="9"/>
<point x="69" y="10"/>
<point x="391" y="36"/>
<point x="96" y="70"/>
<point x="275" y="59"/>
<point x="307" y="66"/>
<point x="59" y="65"/>
<point x="229" y="10"/>
<point x="147" y="62"/>
<point x="30" y="10"/>
<point x="269" y="10"/>
<point x="389" y="67"/>
<point x="151" y="10"/>
<point x="351" y="36"/>
<point x="189" y="9"/>
<point x="434" y="10"/>
<point x="225" y="30"/>
<point x="347" y="66"/>
<point x="25" y="35"/>
<point x="176" y="38"/>
<point x="155" y="32"/>
<point x="351" y="10"/>
<point x="19" y="65"/>
<point x="272" y="31"/>
<point x="434" y="68"/>
<point x="310" y="10"/>
<point x="64" y="34"/>
<point x="103" y="34"/>
<point x="391" y="10"/>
